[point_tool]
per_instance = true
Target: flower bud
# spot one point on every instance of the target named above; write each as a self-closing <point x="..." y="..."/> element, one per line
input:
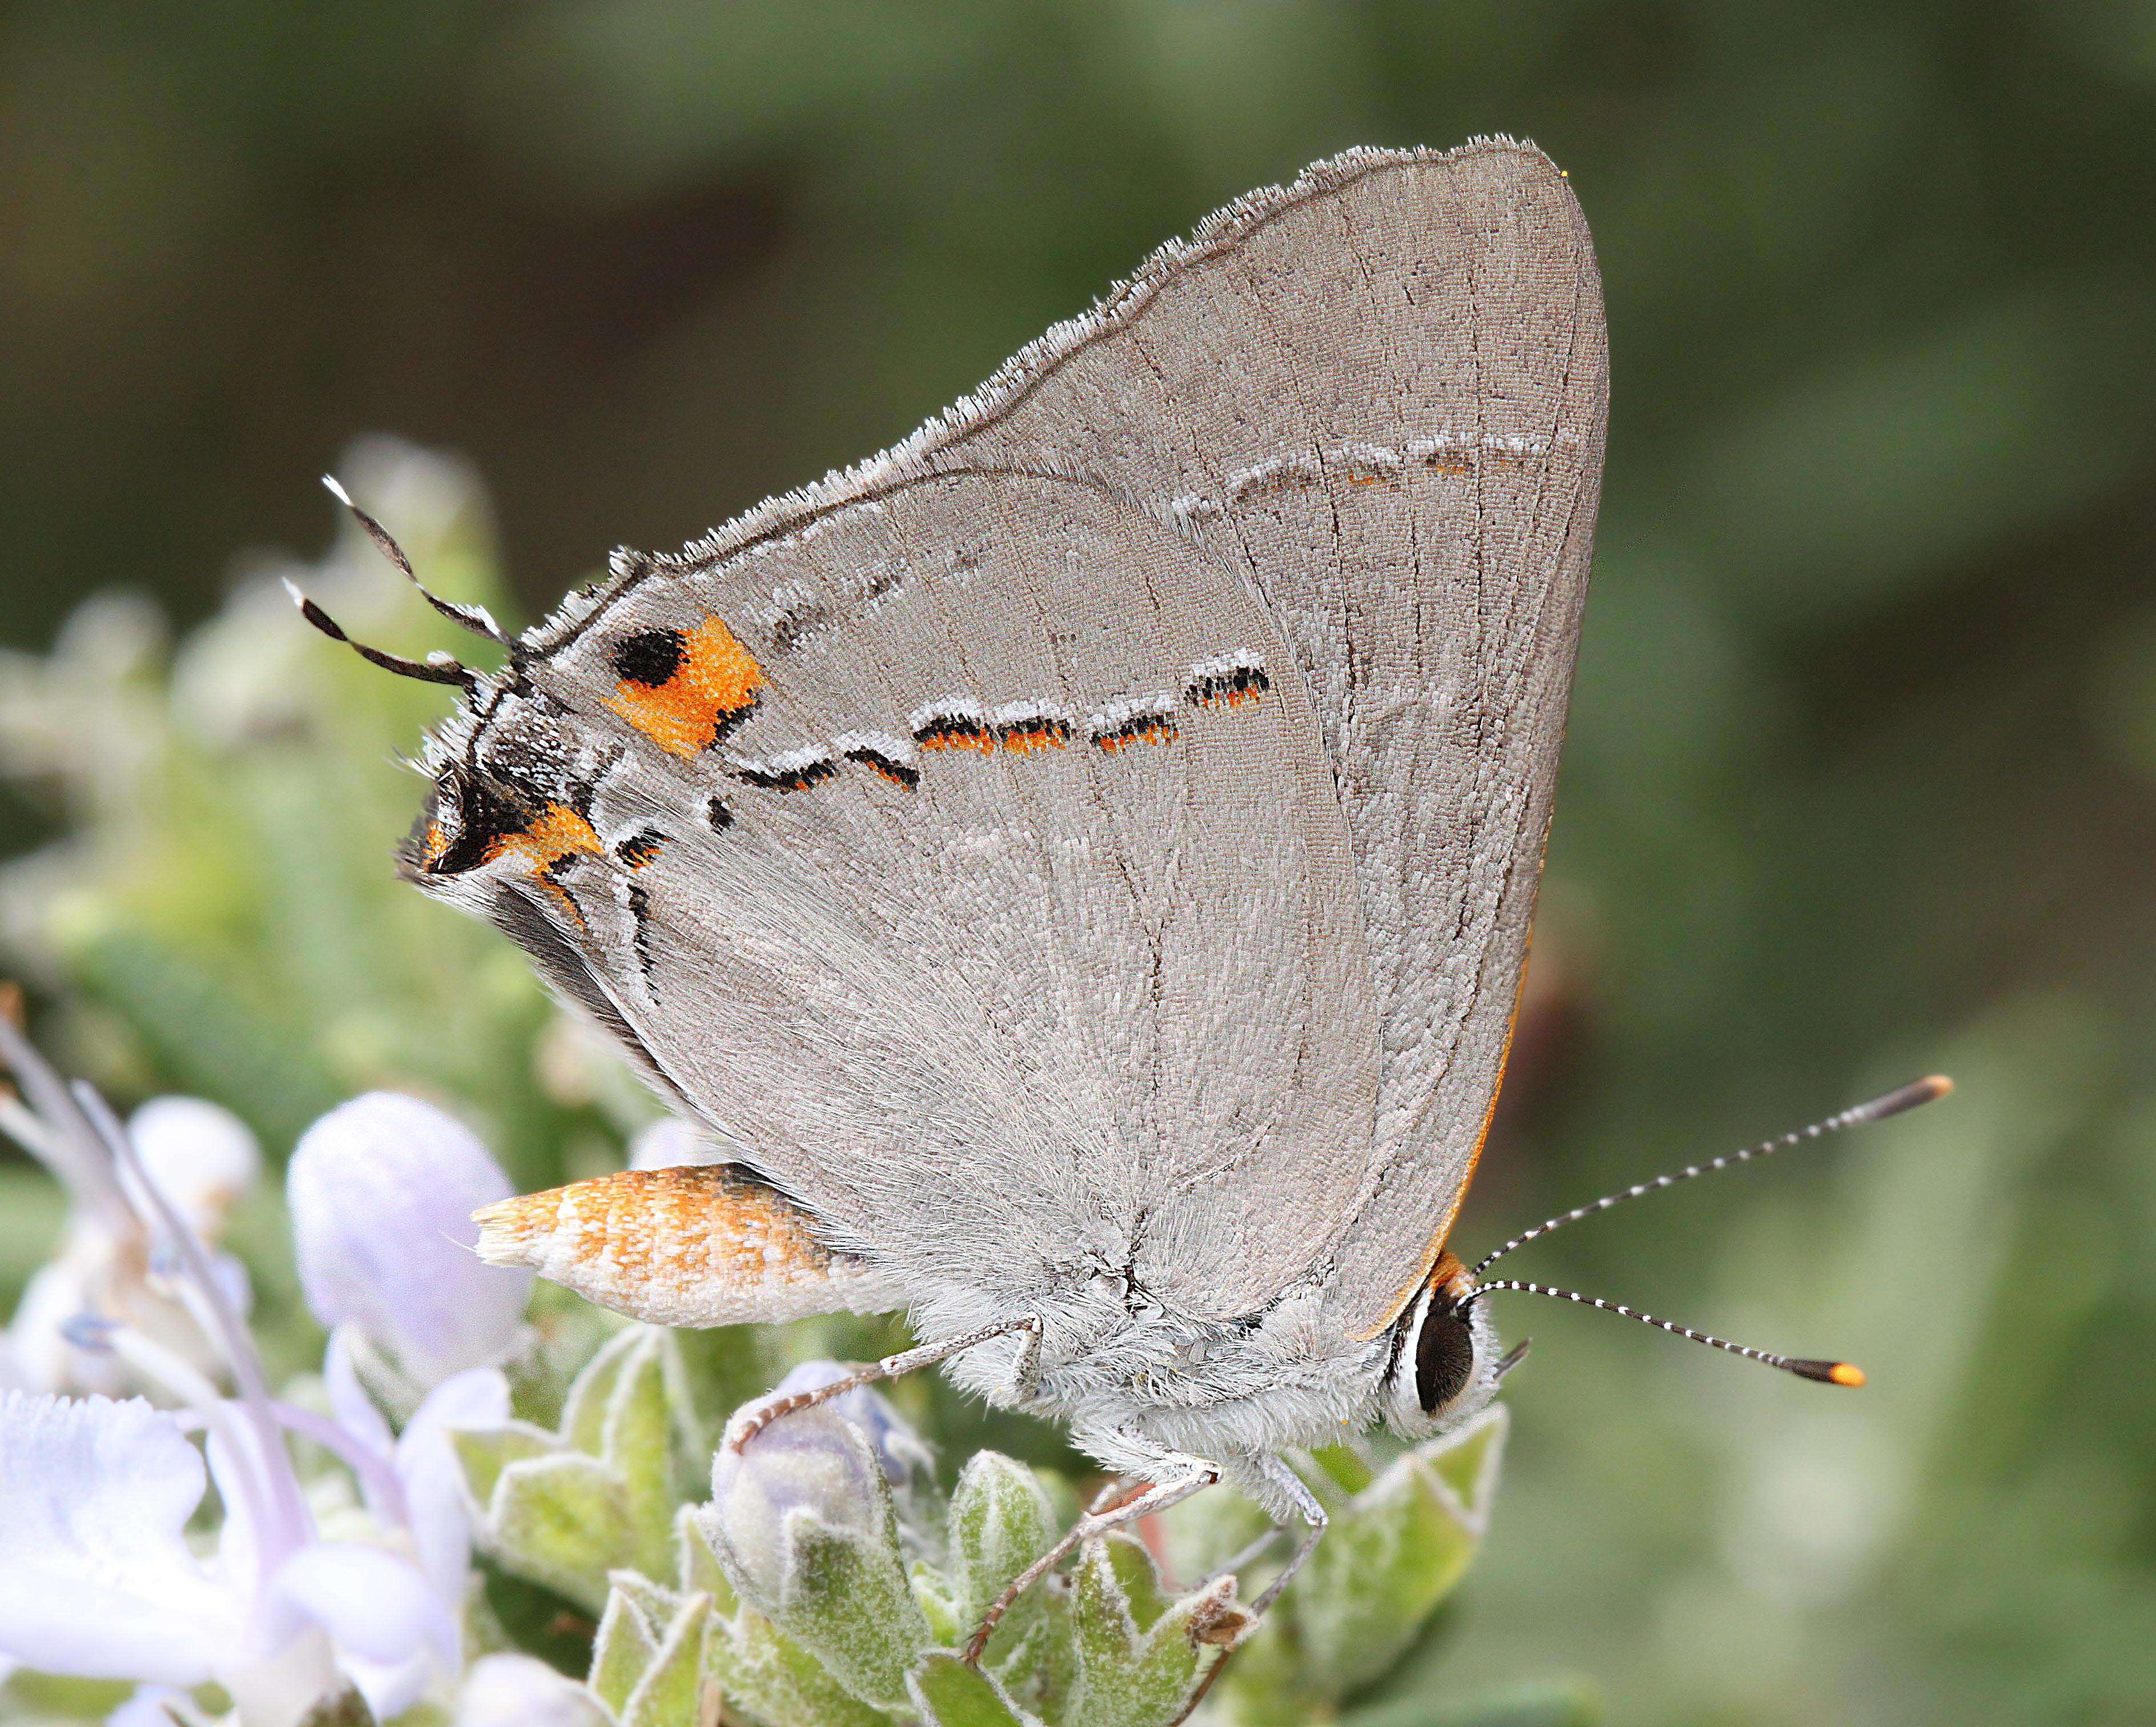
<point x="382" y="1190"/>
<point x="201" y="1157"/>
<point x="812" y="1467"/>
<point x="801" y="1521"/>
<point x="511" y="1690"/>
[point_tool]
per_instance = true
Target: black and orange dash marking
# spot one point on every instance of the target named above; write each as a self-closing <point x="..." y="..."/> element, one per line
<point x="1118" y="727"/>
<point x="1228" y="681"/>
<point x="953" y="722"/>
<point x="640" y="847"/>
<point x="795" y="771"/>
<point x="881" y="753"/>
<point x="1024" y="727"/>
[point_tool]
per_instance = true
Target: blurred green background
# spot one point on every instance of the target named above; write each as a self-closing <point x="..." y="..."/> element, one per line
<point x="1861" y="779"/>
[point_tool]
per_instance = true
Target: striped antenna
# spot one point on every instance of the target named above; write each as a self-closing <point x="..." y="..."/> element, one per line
<point x="474" y="618"/>
<point x="1917" y="1093"/>
<point x="435" y="669"/>
<point x="1827" y="1373"/>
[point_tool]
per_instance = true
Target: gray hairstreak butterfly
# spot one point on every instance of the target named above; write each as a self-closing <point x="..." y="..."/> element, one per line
<point x="1079" y="861"/>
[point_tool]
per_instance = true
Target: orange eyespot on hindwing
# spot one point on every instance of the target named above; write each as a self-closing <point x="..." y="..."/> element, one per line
<point x="555" y="835"/>
<point x="685" y="689"/>
<point x="470" y="820"/>
<point x="1226" y="681"/>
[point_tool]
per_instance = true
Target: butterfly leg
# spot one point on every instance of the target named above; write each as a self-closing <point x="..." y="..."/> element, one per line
<point x="1247" y="1554"/>
<point x="1182" y="1476"/>
<point x="1296" y="1491"/>
<point x="753" y="1418"/>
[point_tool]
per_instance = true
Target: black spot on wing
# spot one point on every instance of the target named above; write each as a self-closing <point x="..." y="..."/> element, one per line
<point x="650" y="657"/>
<point x="471" y="813"/>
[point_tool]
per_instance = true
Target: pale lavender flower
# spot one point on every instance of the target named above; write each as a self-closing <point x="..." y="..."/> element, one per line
<point x="510" y="1690"/>
<point x="158" y="1706"/>
<point x="95" y="1578"/>
<point x="815" y="1468"/>
<point x="382" y="1190"/>
<point x="827" y="1469"/>
<point x="899" y="1451"/>
<point x="412" y="1481"/>
<point x="202" y="1156"/>
<point x="205" y="1161"/>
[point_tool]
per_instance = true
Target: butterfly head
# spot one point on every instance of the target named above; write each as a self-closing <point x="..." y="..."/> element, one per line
<point x="1446" y="1361"/>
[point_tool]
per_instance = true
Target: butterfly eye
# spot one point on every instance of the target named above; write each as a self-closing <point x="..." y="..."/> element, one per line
<point x="1445" y="1356"/>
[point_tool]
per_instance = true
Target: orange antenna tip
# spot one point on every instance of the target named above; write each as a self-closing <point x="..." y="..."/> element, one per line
<point x="1912" y="1095"/>
<point x="1827" y="1373"/>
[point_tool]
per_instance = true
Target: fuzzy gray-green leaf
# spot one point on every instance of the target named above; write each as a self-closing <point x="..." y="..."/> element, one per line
<point x="949" y="1693"/>
<point x="584" y="1414"/>
<point x="1391" y="1555"/>
<point x="636" y="1439"/>
<point x="696" y="1567"/>
<point x="1137" y="1659"/>
<point x="623" y="1652"/>
<point x="850" y="1604"/>
<point x="776" y="1682"/>
<point x="670" y="1692"/>
<point x="563" y="1521"/>
<point x="1000" y="1522"/>
<point x="484" y="1452"/>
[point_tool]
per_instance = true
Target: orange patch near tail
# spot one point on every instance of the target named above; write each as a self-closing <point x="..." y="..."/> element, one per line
<point x="711" y="685"/>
